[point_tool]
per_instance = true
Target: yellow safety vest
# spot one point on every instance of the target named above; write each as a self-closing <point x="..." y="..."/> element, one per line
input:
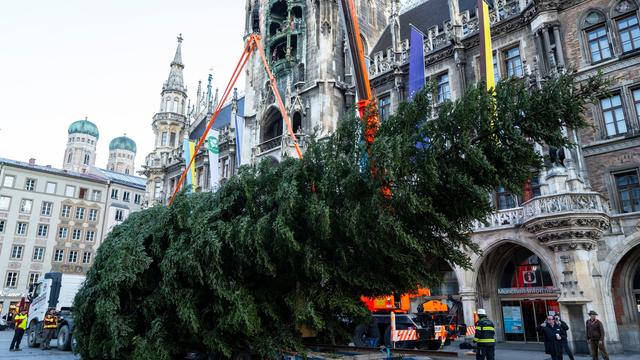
<point x="50" y="322"/>
<point x="20" y="321"/>
<point x="485" y="332"/>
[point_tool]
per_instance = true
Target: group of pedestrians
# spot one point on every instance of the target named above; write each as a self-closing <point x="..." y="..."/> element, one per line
<point x="49" y="326"/>
<point x="553" y="331"/>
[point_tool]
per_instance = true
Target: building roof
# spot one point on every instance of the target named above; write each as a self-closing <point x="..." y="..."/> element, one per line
<point x="123" y="179"/>
<point x="223" y="119"/>
<point x="424" y="16"/>
<point x="84" y="127"/>
<point x="123" y="143"/>
<point x="52" y="170"/>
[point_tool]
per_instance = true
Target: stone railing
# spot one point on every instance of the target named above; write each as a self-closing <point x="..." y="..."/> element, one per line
<point x="269" y="145"/>
<point x="439" y="36"/>
<point x="553" y="205"/>
<point x="501" y="219"/>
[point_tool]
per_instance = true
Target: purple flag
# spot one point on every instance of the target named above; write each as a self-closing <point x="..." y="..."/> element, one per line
<point x="416" y="62"/>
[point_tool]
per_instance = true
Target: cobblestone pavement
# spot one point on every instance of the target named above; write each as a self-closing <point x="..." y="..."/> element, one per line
<point x="29" y="353"/>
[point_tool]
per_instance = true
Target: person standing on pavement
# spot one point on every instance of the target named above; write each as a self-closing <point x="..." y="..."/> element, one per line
<point x="20" y="321"/>
<point x="565" y="343"/>
<point x="553" y="335"/>
<point x="485" y="337"/>
<point x="595" y="336"/>
<point x="50" y="325"/>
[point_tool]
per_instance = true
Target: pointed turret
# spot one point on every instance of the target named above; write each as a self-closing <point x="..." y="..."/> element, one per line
<point x="175" y="80"/>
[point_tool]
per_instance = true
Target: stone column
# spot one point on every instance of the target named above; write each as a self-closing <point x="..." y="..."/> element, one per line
<point x="559" y="49"/>
<point x="547" y="49"/>
<point x="540" y="51"/>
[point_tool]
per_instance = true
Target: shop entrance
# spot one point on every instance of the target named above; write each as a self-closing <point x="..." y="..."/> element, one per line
<point x="517" y="285"/>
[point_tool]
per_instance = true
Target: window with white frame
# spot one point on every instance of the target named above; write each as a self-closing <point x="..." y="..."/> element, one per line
<point x="46" y="208"/>
<point x="3" y="224"/>
<point x="114" y="194"/>
<point x="58" y="255"/>
<point x="5" y="202"/>
<point x="80" y="213"/>
<point x="9" y="181"/>
<point x="96" y="195"/>
<point x="25" y="206"/>
<point x="70" y="191"/>
<point x="16" y="252"/>
<point x="157" y="190"/>
<point x="11" y="280"/>
<point x="33" y="277"/>
<point x="38" y="253"/>
<point x="21" y="228"/>
<point x="30" y="184"/>
<point x="93" y="214"/>
<point x="50" y="188"/>
<point x="163" y="139"/>
<point x="627" y="185"/>
<point x="613" y="115"/>
<point x="90" y="235"/>
<point x="126" y="196"/>
<point x="83" y="193"/>
<point x="86" y="257"/>
<point x="65" y="212"/>
<point x="137" y="198"/>
<point x="77" y="234"/>
<point x="63" y="232"/>
<point x="73" y="256"/>
<point x="119" y="215"/>
<point x="43" y="230"/>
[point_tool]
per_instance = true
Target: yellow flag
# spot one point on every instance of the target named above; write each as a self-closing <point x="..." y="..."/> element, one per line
<point x="486" y="51"/>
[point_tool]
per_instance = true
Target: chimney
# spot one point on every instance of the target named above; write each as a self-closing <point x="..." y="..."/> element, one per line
<point x="32" y="161"/>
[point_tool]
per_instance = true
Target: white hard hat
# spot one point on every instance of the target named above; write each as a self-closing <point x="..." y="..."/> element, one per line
<point x="482" y="312"/>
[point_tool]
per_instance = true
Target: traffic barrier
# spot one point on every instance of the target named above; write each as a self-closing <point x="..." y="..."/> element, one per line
<point x="405" y="335"/>
<point x="471" y="330"/>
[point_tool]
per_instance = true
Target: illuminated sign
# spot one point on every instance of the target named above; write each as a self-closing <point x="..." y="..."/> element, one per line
<point x="528" y="290"/>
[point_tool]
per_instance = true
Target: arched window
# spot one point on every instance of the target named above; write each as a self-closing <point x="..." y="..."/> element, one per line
<point x="175" y="105"/>
<point x="626" y="19"/>
<point x="182" y="107"/>
<point x="595" y="31"/>
<point x="167" y="106"/>
<point x="296" y="124"/>
<point x="69" y="157"/>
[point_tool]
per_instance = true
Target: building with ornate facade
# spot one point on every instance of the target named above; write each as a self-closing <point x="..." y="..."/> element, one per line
<point x="55" y="219"/>
<point x="572" y="243"/>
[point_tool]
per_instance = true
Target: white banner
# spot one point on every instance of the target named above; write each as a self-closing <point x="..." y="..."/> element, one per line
<point x="239" y="131"/>
<point x="212" y="146"/>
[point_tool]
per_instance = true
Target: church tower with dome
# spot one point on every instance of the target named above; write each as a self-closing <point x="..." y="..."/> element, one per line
<point x="122" y="155"/>
<point x="80" y="154"/>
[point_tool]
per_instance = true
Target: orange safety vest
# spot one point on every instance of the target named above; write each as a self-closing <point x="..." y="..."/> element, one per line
<point x="50" y="322"/>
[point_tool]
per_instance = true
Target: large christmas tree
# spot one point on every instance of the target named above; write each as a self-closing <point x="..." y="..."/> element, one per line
<point x="295" y="244"/>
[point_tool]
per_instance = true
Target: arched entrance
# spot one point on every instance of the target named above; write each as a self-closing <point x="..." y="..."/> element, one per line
<point x="516" y="287"/>
<point x="625" y="288"/>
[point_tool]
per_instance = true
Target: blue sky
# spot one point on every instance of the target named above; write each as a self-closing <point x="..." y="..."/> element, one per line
<point x="67" y="59"/>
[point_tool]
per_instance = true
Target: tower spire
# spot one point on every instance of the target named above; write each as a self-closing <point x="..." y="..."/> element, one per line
<point x="175" y="80"/>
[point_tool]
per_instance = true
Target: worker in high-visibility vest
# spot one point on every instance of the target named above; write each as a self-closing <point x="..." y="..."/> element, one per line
<point x="50" y="325"/>
<point x="20" y="321"/>
<point x="485" y="337"/>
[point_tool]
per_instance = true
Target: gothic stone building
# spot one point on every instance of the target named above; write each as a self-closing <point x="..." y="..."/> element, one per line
<point x="572" y="243"/>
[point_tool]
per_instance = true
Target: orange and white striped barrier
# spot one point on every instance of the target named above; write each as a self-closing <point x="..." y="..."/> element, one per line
<point x="405" y="335"/>
<point x="471" y="330"/>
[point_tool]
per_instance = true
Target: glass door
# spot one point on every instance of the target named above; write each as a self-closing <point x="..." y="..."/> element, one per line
<point x="529" y="317"/>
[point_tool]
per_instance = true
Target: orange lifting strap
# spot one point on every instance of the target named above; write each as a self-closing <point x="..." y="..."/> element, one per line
<point x="253" y="42"/>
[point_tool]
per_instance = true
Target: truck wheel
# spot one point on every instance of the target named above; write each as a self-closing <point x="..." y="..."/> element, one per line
<point x="363" y="332"/>
<point x="32" y="334"/>
<point x="64" y="338"/>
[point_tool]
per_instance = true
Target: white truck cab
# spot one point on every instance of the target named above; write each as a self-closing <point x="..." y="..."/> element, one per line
<point x="54" y="290"/>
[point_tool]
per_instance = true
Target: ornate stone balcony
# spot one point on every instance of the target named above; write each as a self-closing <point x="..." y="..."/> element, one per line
<point x="567" y="220"/>
<point x="501" y="219"/>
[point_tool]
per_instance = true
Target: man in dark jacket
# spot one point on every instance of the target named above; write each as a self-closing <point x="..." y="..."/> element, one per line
<point x="485" y="337"/>
<point x="553" y="335"/>
<point x="565" y="343"/>
<point x="595" y="336"/>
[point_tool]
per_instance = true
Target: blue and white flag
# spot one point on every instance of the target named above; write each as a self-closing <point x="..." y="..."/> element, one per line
<point x="213" y="148"/>
<point x="416" y="62"/>
<point x="239" y="132"/>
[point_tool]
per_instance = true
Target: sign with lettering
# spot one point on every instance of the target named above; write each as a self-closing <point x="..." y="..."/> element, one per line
<point x="512" y="316"/>
<point x="528" y="290"/>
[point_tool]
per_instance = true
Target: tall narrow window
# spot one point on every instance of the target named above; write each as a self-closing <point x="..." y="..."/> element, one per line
<point x="66" y="211"/>
<point x="628" y="191"/>
<point x="173" y="139"/>
<point x="69" y="156"/>
<point x="505" y="199"/>
<point x="613" y="115"/>
<point x="595" y="30"/>
<point x="21" y="228"/>
<point x="163" y="139"/>
<point x="385" y="107"/>
<point x="86" y="159"/>
<point x="46" y="208"/>
<point x="444" y="92"/>
<point x="636" y="102"/>
<point x="629" y="33"/>
<point x="16" y="252"/>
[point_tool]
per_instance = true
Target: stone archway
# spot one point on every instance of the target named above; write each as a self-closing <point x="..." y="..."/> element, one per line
<point x="516" y="285"/>
<point x="625" y="290"/>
